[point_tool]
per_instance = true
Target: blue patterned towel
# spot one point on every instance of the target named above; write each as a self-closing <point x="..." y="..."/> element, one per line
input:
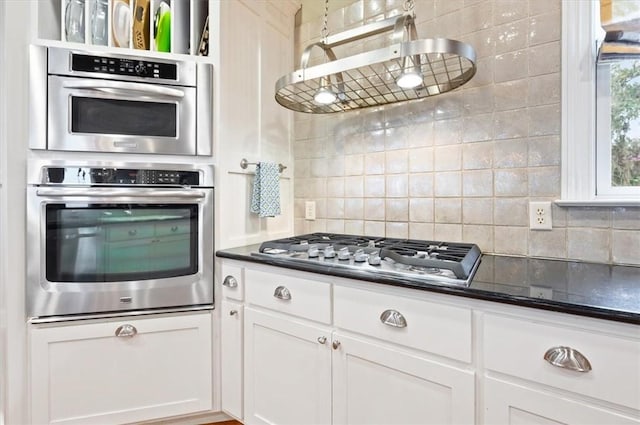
<point x="265" y="197"/>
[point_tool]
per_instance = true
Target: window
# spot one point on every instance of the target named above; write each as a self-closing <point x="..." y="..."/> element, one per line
<point x="601" y="124"/>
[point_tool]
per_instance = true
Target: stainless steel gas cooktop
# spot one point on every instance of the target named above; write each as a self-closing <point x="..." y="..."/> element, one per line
<point x="449" y="263"/>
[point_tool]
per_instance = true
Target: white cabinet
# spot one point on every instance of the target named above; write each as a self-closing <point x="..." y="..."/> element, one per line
<point x="85" y="374"/>
<point x="511" y="404"/>
<point x="231" y="340"/>
<point x="319" y="349"/>
<point x="521" y="386"/>
<point x="300" y="369"/>
<point x="378" y="384"/>
<point x="287" y="370"/>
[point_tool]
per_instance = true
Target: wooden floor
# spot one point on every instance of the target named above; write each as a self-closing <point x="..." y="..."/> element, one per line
<point x="225" y="423"/>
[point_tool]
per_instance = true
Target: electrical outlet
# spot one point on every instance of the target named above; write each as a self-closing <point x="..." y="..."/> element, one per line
<point x="540" y="215"/>
<point x="310" y="210"/>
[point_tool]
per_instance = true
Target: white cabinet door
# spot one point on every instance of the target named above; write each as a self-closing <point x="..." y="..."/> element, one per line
<point x="507" y="403"/>
<point x="373" y="384"/>
<point x="287" y="370"/>
<point x="231" y="319"/>
<point x="85" y="374"/>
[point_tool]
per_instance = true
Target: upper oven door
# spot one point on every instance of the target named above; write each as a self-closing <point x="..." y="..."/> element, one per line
<point x="96" y="115"/>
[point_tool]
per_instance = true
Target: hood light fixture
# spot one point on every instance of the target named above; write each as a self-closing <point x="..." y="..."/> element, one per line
<point x="410" y="77"/>
<point x="324" y="95"/>
<point x="408" y="69"/>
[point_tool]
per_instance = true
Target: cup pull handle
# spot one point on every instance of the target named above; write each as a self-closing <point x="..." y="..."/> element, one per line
<point x="282" y="293"/>
<point x="567" y="358"/>
<point x="230" y="282"/>
<point x="126" y="331"/>
<point x="393" y="318"/>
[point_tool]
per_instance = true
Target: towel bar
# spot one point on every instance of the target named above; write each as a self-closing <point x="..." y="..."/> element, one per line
<point x="244" y="164"/>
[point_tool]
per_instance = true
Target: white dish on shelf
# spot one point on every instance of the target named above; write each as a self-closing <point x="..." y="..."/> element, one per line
<point x="121" y="23"/>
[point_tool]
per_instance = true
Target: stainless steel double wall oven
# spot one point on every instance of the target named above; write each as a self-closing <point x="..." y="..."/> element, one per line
<point x="110" y="234"/>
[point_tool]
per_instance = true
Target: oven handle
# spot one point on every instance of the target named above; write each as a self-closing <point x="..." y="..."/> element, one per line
<point x="113" y="193"/>
<point x="123" y="88"/>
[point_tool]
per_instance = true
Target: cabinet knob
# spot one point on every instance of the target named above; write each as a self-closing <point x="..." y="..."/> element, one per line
<point x="282" y="293"/>
<point x="126" y="331"/>
<point x="230" y="282"/>
<point x="393" y="318"/>
<point x="233" y="312"/>
<point x="336" y="344"/>
<point x="322" y="339"/>
<point x="567" y="358"/>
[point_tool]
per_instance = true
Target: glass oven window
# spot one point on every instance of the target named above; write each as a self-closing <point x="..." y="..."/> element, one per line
<point x="123" y="117"/>
<point x="120" y="242"/>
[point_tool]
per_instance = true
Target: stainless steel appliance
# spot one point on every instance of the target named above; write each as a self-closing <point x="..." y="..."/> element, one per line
<point x="107" y="102"/>
<point x="107" y="238"/>
<point x="448" y="263"/>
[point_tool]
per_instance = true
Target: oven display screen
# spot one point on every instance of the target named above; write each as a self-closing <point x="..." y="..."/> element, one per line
<point x="120" y="242"/>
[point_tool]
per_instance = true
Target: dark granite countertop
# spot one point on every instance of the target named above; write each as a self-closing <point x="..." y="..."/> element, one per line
<point x="588" y="289"/>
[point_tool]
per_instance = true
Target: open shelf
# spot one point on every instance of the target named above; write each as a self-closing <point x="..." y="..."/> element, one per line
<point x="163" y="26"/>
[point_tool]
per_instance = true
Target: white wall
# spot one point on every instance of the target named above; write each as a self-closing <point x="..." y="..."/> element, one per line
<point x="16" y="34"/>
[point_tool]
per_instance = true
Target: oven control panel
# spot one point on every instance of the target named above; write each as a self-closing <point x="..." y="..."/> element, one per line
<point x="119" y="177"/>
<point x="124" y="66"/>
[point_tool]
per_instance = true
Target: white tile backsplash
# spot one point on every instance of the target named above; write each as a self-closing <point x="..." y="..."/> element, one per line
<point x="462" y="166"/>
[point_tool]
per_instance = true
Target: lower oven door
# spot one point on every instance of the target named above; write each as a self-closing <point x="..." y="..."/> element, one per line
<point x="103" y="250"/>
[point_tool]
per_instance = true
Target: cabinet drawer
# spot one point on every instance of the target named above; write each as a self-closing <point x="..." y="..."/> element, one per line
<point x="517" y="347"/>
<point x="173" y="227"/>
<point x="306" y="298"/>
<point x="436" y="328"/>
<point x="125" y="232"/>
<point x="232" y="281"/>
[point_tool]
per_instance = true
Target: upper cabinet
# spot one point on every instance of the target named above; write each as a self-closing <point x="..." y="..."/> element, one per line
<point x="162" y="26"/>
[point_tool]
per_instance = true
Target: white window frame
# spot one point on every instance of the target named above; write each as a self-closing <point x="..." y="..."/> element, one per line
<point x="579" y="151"/>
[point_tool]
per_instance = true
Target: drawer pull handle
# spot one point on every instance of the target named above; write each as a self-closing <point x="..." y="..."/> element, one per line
<point x="336" y="345"/>
<point x="126" y="331"/>
<point x="282" y="293"/>
<point x="233" y="312"/>
<point x="393" y="318"/>
<point x="322" y="339"/>
<point x="133" y="232"/>
<point x="230" y="282"/>
<point x="567" y="358"/>
<point x="174" y="228"/>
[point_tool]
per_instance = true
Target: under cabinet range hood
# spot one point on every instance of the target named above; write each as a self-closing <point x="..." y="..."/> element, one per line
<point x="408" y="69"/>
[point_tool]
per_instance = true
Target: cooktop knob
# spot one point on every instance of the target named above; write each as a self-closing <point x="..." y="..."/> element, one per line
<point x="344" y="254"/>
<point x="360" y="256"/>
<point x="313" y="251"/>
<point x="329" y="252"/>
<point x="374" y="259"/>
